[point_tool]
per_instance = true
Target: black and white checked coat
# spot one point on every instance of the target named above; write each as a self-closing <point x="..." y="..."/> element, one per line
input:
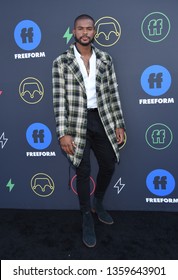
<point x="70" y="100"/>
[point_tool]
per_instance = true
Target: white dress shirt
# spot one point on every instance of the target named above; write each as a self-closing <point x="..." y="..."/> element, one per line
<point x="89" y="79"/>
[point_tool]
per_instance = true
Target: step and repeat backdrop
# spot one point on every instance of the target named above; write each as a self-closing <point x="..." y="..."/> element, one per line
<point x="142" y="38"/>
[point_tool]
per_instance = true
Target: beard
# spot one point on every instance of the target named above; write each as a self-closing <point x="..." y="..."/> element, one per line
<point x="79" y="40"/>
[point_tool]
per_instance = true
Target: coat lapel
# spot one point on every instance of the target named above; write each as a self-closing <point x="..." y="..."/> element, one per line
<point x="99" y="71"/>
<point x="74" y="67"/>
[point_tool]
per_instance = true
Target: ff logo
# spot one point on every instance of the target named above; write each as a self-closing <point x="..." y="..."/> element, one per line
<point x="159" y="136"/>
<point x="108" y="31"/>
<point x="27" y="35"/>
<point x="31" y="90"/>
<point x="160" y="182"/>
<point x="156" y="80"/>
<point x="38" y="136"/>
<point x="155" y="27"/>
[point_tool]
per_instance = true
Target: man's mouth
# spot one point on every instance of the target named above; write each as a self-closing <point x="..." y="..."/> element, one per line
<point x="85" y="38"/>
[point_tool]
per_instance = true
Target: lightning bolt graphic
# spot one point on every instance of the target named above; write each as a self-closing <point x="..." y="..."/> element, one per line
<point x="10" y="185"/>
<point x="68" y="35"/>
<point x="3" y="140"/>
<point x="119" y="186"/>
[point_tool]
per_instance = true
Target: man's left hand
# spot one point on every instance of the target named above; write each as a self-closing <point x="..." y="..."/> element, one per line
<point x="120" y="135"/>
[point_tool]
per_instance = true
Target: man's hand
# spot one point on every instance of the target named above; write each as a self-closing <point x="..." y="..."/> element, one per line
<point x="120" y="135"/>
<point x="67" y="144"/>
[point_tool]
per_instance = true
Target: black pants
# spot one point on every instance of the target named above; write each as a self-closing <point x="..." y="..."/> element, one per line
<point x="98" y="141"/>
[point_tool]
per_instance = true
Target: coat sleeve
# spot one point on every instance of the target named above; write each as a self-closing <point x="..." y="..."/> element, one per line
<point x="115" y="99"/>
<point x="59" y="99"/>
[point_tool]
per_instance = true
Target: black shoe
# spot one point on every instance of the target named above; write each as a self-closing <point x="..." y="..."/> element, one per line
<point x="102" y="214"/>
<point x="89" y="237"/>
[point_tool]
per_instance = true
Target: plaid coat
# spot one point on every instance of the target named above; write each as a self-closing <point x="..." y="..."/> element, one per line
<point x="70" y="100"/>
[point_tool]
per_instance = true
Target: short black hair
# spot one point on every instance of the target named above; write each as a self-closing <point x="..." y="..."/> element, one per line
<point x="84" y="16"/>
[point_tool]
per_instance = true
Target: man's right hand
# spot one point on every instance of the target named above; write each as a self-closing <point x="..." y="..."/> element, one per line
<point x="67" y="144"/>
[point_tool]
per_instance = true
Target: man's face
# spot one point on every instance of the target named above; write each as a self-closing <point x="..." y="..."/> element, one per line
<point x="84" y="31"/>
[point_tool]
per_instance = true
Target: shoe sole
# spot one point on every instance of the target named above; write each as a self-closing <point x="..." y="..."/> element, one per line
<point x="89" y="246"/>
<point x="104" y="222"/>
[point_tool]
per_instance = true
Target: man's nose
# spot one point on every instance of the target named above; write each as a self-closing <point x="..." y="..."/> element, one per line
<point x="85" y="32"/>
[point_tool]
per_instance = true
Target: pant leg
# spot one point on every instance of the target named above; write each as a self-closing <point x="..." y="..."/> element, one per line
<point x="83" y="179"/>
<point x="96" y="139"/>
<point x="105" y="156"/>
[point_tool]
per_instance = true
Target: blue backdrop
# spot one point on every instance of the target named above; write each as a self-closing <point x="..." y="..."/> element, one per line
<point x="142" y="38"/>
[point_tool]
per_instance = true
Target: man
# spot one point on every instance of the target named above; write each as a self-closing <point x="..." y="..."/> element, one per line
<point x="88" y="116"/>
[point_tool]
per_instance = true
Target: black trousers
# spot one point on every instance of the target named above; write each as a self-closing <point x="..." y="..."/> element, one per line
<point x="97" y="140"/>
